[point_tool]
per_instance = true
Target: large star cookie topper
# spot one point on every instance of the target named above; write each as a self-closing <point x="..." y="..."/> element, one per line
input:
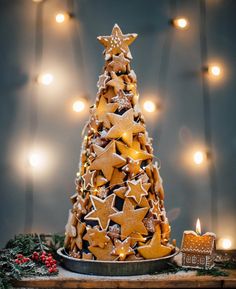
<point x="117" y="42"/>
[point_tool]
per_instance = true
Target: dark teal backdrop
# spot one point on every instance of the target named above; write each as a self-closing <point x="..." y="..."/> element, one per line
<point x="168" y="65"/>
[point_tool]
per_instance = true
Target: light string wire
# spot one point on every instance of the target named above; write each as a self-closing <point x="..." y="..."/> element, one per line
<point x="207" y="117"/>
<point x="165" y="63"/>
<point x="33" y="119"/>
<point x="78" y="54"/>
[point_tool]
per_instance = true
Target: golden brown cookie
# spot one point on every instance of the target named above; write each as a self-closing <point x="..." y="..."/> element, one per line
<point x="117" y="178"/>
<point x="88" y="179"/>
<point x="122" y="249"/>
<point x="118" y="63"/>
<point x="103" y="209"/>
<point x="97" y="238"/>
<point x="101" y="84"/>
<point x="155" y="249"/>
<point x="123" y="99"/>
<point x="103" y="253"/>
<point x="124" y="126"/>
<point x="103" y="109"/>
<point x="132" y="167"/>
<point x="126" y="219"/>
<point x="135" y="152"/>
<point x="117" y="82"/>
<point x="106" y="160"/>
<point x="117" y="42"/>
<point x="135" y="190"/>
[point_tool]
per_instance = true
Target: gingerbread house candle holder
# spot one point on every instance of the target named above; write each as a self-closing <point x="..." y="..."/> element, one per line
<point x="198" y="250"/>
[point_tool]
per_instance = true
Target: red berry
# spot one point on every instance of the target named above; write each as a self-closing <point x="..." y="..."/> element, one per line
<point x="50" y="270"/>
<point x="49" y="259"/>
<point x="17" y="261"/>
<point x="19" y="256"/>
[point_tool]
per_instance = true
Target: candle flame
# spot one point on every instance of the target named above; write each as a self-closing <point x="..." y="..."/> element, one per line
<point x="198" y="227"/>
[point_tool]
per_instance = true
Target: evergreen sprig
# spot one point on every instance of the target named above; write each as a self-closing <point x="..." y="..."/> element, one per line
<point x="26" y="245"/>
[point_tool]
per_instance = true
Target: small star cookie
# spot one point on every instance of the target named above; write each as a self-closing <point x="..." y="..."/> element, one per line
<point x="103" y="253"/>
<point x="96" y="237"/>
<point x="118" y="63"/>
<point x="123" y="99"/>
<point x="122" y="249"/>
<point x="103" y="209"/>
<point x="117" y="42"/>
<point x="132" y="167"/>
<point x="101" y="84"/>
<point x="135" y="191"/>
<point x="117" y="82"/>
<point x="126" y="219"/>
<point x="88" y="178"/>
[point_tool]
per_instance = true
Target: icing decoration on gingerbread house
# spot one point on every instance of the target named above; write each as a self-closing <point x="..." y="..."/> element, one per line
<point x="198" y="250"/>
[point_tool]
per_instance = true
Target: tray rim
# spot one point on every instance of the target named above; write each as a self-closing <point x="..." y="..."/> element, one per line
<point x="61" y="254"/>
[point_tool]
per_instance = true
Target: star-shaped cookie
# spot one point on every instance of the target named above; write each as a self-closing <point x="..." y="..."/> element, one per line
<point x="135" y="152"/>
<point x="118" y="63"/>
<point x="124" y="126"/>
<point x="155" y="249"/>
<point x="109" y="94"/>
<point x="117" y="82"/>
<point x="106" y="160"/>
<point x="103" y="109"/>
<point x="117" y="178"/>
<point x="117" y="42"/>
<point x="155" y="209"/>
<point x="103" y="209"/>
<point x="136" y="191"/>
<point x="123" y="99"/>
<point x="101" y="84"/>
<point x="132" y="167"/>
<point x="130" y="219"/>
<point x="103" y="253"/>
<point x="122" y="249"/>
<point x="88" y="178"/>
<point x="97" y="238"/>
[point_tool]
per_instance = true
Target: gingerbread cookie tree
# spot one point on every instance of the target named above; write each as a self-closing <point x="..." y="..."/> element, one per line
<point x="118" y="210"/>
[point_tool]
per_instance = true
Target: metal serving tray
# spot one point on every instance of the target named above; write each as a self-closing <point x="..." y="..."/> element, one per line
<point x="114" y="268"/>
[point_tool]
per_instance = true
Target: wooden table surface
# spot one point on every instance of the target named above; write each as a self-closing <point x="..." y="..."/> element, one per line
<point x="182" y="279"/>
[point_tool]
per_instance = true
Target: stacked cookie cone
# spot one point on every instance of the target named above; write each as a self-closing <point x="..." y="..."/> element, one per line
<point x="118" y="209"/>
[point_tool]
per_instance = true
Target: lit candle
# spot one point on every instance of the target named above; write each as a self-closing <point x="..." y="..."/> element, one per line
<point x="197" y="250"/>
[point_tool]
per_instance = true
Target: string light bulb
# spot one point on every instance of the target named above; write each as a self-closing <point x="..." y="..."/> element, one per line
<point x="180" y="23"/>
<point x="214" y="70"/>
<point x="35" y="159"/>
<point x="149" y="106"/>
<point x="61" y="17"/>
<point x="225" y="243"/>
<point x="45" y="79"/>
<point x="198" y="157"/>
<point x="78" y="105"/>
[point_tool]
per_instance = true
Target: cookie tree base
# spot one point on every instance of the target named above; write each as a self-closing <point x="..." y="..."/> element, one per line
<point x="114" y="268"/>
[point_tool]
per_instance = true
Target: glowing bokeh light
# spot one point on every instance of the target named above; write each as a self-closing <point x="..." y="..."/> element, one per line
<point x="36" y="159"/>
<point x="181" y="23"/>
<point x="61" y="17"/>
<point x="78" y="105"/>
<point x="45" y="79"/>
<point x="225" y="243"/>
<point x="198" y="157"/>
<point x="149" y="106"/>
<point x="214" y="70"/>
